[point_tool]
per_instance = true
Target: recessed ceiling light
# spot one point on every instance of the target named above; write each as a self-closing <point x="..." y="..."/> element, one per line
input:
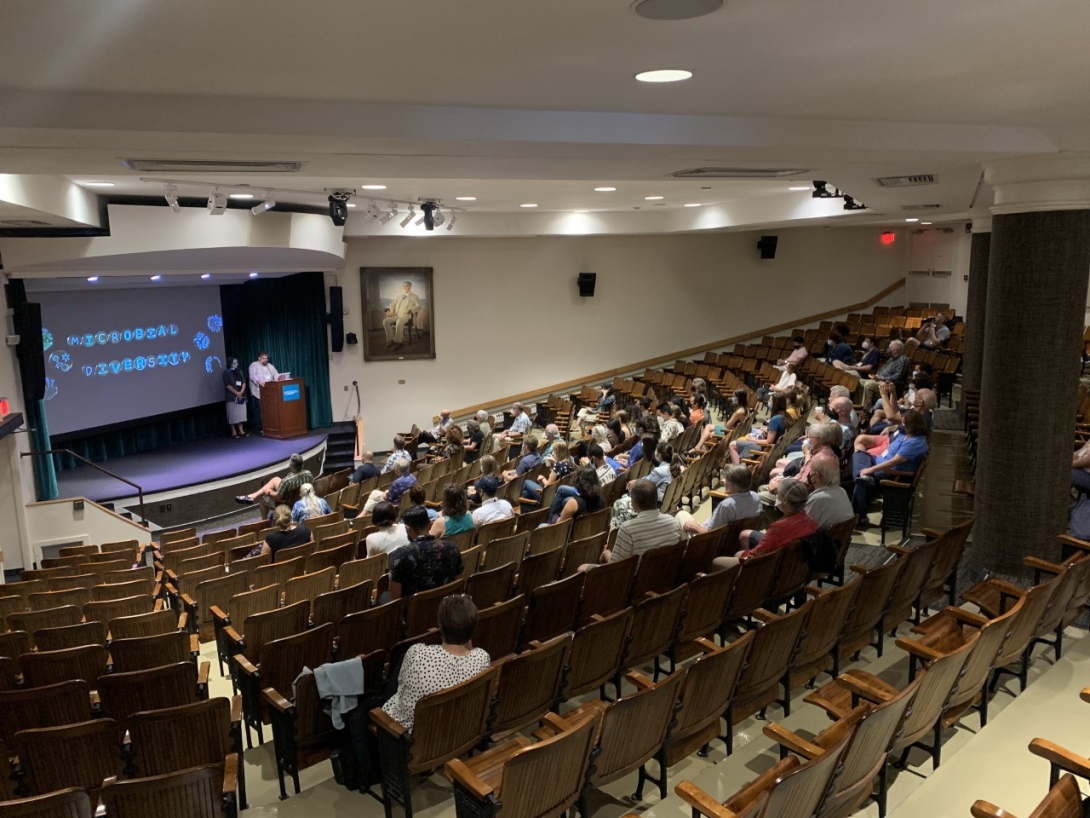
<point x="466" y="198"/>
<point x="156" y="277"/>
<point x="97" y="184"/>
<point x="351" y="204"/>
<point x="664" y="75"/>
<point x="206" y="276"/>
<point x="799" y="187"/>
<point x="925" y="222"/>
<point x="253" y="275"/>
<point x="92" y="279"/>
<point x="241" y="196"/>
<point x="911" y="220"/>
<point x="693" y="204"/>
<point x="676" y="9"/>
<point x="604" y="189"/>
<point x="580" y="211"/>
<point x="653" y="198"/>
<point x="374" y="187"/>
<point x="528" y="204"/>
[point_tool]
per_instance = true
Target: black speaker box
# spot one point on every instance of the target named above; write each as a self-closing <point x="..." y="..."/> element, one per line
<point x="28" y="326"/>
<point x="586" y="284"/>
<point x="336" y="319"/>
<point x="767" y="246"/>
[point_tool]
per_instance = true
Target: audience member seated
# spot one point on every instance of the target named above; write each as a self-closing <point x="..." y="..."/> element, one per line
<point x="828" y="504"/>
<point x="596" y="457"/>
<point x="474" y="437"/>
<point x="520" y="422"/>
<point x="552" y="434"/>
<point x="430" y="668"/>
<point x="740" y="503"/>
<point x="888" y="421"/>
<point x="698" y="410"/>
<point x="646" y="428"/>
<point x="838" y="350"/>
<point x="787" y="380"/>
<point x="822" y="440"/>
<point x="288" y="534"/>
<point x="798" y="353"/>
<point x="399" y="453"/>
<point x="402" y="483"/>
<point x="795" y="524"/>
<point x="868" y="363"/>
<point x="454" y="519"/>
<point x="279" y="489"/>
<point x="309" y="505"/>
<point x="492" y="508"/>
<point x="599" y="434"/>
<point x="667" y="466"/>
<point x="418" y="496"/>
<point x="619" y="430"/>
<point x="904" y="452"/>
<point x="648" y="529"/>
<point x="530" y="459"/>
<point x="670" y="427"/>
<point x="582" y="497"/>
<point x="777" y="424"/>
<point x="795" y="402"/>
<point x="894" y="371"/>
<point x="390" y="535"/>
<point x="933" y="333"/>
<point x="561" y="468"/>
<point x="366" y="470"/>
<point x="453" y="446"/>
<point x="739" y="402"/>
<point x="484" y="421"/>
<point x="438" y="432"/>
<point x="426" y="562"/>
<point x="606" y="399"/>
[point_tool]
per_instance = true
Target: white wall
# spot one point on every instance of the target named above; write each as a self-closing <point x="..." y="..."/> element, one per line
<point x="16" y="477"/>
<point x="508" y="317"/>
<point x="57" y="523"/>
<point x="939" y="248"/>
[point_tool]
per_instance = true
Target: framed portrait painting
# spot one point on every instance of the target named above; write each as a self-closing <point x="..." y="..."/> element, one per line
<point x="397" y="313"/>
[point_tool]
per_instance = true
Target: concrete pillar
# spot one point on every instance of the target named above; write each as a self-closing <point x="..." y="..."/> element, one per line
<point x="1036" y="297"/>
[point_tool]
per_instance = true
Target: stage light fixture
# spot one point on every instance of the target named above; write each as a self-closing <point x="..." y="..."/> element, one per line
<point x="386" y="218"/>
<point x="439" y="217"/>
<point x="372" y="210"/>
<point x="338" y="208"/>
<point x="170" y="193"/>
<point x="258" y="209"/>
<point x="428" y="218"/>
<point x="453" y="219"/>
<point x="206" y="276"/>
<point x="851" y="204"/>
<point x="217" y="203"/>
<point x="409" y="217"/>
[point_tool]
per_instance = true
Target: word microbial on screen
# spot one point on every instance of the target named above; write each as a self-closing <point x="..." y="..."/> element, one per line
<point x="118" y="355"/>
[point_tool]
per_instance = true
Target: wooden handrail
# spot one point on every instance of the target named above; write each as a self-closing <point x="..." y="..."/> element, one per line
<point x="609" y="374"/>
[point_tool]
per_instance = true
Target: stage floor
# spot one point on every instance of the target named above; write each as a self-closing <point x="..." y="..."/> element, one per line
<point x="183" y="465"/>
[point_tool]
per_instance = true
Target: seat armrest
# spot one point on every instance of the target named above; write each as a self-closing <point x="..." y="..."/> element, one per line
<point x="233" y="635"/>
<point x="383" y="721"/>
<point x="791" y="741"/>
<point x="701" y="802"/>
<point x="986" y="809"/>
<point x="918" y="649"/>
<point x="220" y="615"/>
<point x="276" y="701"/>
<point x="706" y="645"/>
<point x="640" y="681"/>
<point x="1041" y="565"/>
<point x="866" y="686"/>
<point x="244" y="665"/>
<point x="1084" y="694"/>
<point x="236" y="709"/>
<point x="1073" y="542"/>
<point x="458" y="772"/>
<point x="896" y="549"/>
<point x="183" y="623"/>
<point x="230" y="774"/>
<point x="1061" y="757"/>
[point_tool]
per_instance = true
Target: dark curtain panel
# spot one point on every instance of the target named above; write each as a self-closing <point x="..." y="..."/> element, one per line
<point x="144" y="435"/>
<point x="45" y="476"/>
<point x="285" y="317"/>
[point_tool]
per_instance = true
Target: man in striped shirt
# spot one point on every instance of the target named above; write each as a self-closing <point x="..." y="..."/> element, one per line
<point x="520" y="423"/>
<point x="649" y="529"/>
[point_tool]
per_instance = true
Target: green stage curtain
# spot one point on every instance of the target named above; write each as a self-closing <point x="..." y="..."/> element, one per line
<point x="286" y="318"/>
<point x="45" y="476"/>
<point x="145" y="435"/>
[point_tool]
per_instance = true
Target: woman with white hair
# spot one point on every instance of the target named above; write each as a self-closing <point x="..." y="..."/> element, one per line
<point x="309" y="505"/>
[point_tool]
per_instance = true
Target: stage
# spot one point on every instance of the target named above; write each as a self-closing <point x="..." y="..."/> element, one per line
<point x="192" y="482"/>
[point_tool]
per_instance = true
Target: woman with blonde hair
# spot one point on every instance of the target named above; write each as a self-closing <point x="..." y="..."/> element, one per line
<point x="309" y="505"/>
<point x="563" y="466"/>
<point x="489" y="468"/>
<point x="288" y="534"/>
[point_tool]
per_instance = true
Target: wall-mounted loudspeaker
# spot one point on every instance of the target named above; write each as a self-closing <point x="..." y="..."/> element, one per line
<point x="767" y="246"/>
<point x="28" y="326"/>
<point x="351" y="339"/>
<point x="586" y="284"/>
<point x="336" y="319"/>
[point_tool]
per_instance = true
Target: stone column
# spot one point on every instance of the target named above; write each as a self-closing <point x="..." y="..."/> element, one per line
<point x="972" y="360"/>
<point x="1036" y="299"/>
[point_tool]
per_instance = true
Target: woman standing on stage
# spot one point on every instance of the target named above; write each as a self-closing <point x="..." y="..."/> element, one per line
<point x="235" y="384"/>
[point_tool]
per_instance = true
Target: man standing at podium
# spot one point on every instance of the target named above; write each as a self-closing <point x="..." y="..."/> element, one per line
<point x="261" y="371"/>
<point x="398" y="314"/>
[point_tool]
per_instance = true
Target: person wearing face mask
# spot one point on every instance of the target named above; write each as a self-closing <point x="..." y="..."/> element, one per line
<point x="235" y="385"/>
<point x="261" y="372"/>
<point x="868" y="363"/>
<point x="791" y="497"/>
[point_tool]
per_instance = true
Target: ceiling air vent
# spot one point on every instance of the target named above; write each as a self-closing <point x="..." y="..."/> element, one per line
<point x="737" y="173"/>
<point x="921" y="207"/>
<point x="907" y="181"/>
<point x="24" y="223"/>
<point x="210" y="166"/>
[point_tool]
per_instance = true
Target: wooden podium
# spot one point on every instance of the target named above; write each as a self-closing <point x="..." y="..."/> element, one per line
<point x="284" y="409"/>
